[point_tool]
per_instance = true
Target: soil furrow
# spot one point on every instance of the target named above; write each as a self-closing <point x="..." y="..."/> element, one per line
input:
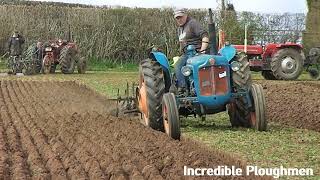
<point x="18" y="158"/>
<point x="69" y="161"/>
<point x="4" y="146"/>
<point x="36" y="163"/>
<point x="67" y="131"/>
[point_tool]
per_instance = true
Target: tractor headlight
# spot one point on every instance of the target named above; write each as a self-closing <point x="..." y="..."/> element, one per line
<point x="235" y="66"/>
<point x="186" y="70"/>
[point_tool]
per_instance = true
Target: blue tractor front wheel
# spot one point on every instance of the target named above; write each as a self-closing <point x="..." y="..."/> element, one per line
<point x="258" y="119"/>
<point x="170" y="113"/>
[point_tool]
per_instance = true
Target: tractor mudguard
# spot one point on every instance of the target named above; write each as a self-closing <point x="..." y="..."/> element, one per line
<point x="163" y="60"/>
<point x="228" y="52"/>
<point x="290" y="45"/>
<point x="272" y="48"/>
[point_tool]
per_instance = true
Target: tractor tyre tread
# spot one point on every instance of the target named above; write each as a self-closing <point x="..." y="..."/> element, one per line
<point x="242" y="78"/>
<point x="155" y="88"/>
<point x="276" y="64"/>
<point x="67" y="60"/>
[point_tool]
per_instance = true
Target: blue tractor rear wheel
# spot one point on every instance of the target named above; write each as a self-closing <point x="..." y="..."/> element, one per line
<point x="151" y="90"/>
<point x="242" y="79"/>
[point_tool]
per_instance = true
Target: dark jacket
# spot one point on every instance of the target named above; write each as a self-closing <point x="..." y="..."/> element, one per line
<point x="15" y="45"/>
<point x="191" y="33"/>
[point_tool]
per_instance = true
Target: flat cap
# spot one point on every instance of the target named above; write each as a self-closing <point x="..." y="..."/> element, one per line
<point x="179" y="12"/>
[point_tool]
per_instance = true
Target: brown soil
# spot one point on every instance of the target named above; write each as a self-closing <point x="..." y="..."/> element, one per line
<point x="62" y="130"/>
<point x="295" y="104"/>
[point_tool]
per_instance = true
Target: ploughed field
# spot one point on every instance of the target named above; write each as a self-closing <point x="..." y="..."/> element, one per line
<point x="64" y="130"/>
<point x="295" y="104"/>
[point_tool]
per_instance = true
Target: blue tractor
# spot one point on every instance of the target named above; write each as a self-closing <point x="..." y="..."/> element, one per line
<point x="216" y="82"/>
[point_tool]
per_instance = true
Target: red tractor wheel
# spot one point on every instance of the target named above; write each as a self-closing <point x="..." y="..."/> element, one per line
<point x="151" y="90"/>
<point x="252" y="117"/>
<point x="287" y="64"/>
<point x="170" y="113"/>
<point x="67" y="59"/>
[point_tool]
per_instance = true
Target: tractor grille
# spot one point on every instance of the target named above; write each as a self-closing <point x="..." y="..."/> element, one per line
<point x="213" y="80"/>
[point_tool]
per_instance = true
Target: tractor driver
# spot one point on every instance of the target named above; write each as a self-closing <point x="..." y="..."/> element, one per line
<point x="190" y="32"/>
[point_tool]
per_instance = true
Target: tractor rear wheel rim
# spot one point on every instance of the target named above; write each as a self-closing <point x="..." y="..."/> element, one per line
<point x="165" y="118"/>
<point x="143" y="106"/>
<point x="288" y="65"/>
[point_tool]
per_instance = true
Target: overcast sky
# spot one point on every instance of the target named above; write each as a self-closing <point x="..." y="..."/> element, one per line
<point x="265" y="6"/>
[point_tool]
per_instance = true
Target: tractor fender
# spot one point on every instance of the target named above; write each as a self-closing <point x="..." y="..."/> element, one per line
<point x="163" y="61"/>
<point x="273" y="48"/>
<point x="290" y="45"/>
<point x="298" y="47"/>
<point x="228" y="52"/>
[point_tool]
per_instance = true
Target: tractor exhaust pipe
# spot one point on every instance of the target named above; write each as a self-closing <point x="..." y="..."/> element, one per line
<point x="212" y="34"/>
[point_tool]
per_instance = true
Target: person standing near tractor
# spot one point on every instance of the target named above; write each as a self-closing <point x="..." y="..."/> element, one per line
<point x="15" y="43"/>
<point x="190" y="32"/>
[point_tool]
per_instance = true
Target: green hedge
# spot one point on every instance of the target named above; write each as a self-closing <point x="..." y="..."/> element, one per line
<point x="120" y="34"/>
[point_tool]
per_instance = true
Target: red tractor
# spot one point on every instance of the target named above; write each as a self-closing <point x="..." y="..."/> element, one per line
<point x="275" y="61"/>
<point x="61" y="52"/>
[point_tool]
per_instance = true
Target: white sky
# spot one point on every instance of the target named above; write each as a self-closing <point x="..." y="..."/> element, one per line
<point x="265" y="6"/>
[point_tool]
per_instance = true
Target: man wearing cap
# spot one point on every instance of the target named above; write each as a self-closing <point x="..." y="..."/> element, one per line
<point x="15" y="50"/>
<point x="15" y="44"/>
<point x="190" y="32"/>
